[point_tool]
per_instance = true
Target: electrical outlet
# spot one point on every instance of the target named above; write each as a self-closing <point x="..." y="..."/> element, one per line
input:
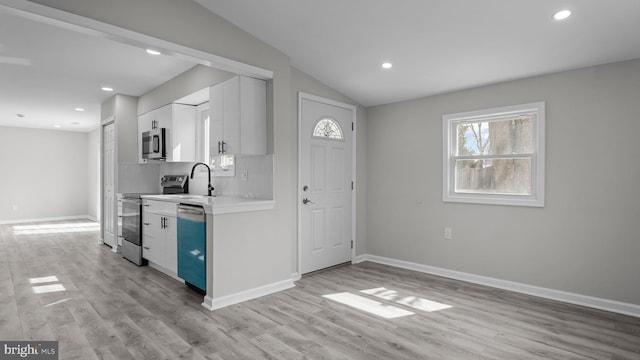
<point x="448" y="233"/>
<point x="15" y="207"/>
<point x="244" y="174"/>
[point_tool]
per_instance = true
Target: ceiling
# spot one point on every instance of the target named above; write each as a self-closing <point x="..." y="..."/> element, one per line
<point x="46" y="72"/>
<point x="436" y="46"/>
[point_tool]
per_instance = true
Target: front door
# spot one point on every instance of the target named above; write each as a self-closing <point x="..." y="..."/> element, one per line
<point x="108" y="171"/>
<point x="325" y="194"/>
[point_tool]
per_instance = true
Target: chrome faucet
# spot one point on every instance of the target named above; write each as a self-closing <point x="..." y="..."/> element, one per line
<point x="209" y="187"/>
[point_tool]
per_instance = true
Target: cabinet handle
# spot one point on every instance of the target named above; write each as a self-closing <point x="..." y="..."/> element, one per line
<point x="219" y="148"/>
<point x="146" y="247"/>
<point x="223" y="147"/>
<point x="146" y="224"/>
<point x="162" y="222"/>
<point x="146" y="205"/>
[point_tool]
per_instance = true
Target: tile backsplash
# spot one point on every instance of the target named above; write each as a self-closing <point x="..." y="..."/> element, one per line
<point x="253" y="177"/>
<point x="136" y="178"/>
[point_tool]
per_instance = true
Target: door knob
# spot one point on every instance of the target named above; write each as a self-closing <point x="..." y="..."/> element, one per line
<point x="307" y="201"/>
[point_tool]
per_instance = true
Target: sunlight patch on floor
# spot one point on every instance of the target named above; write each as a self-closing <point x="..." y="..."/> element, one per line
<point x="44" y="279"/>
<point x="43" y="289"/>
<point x="408" y="300"/>
<point x="368" y="305"/>
<point x="55" y="228"/>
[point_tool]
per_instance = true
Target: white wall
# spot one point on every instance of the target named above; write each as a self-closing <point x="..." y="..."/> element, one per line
<point x="44" y="174"/>
<point x="93" y="174"/>
<point x="584" y="241"/>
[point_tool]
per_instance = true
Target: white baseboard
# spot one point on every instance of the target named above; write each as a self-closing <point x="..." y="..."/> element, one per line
<point x="232" y="299"/>
<point x="57" y="218"/>
<point x="296" y="276"/>
<point x="360" y="258"/>
<point x="571" y="298"/>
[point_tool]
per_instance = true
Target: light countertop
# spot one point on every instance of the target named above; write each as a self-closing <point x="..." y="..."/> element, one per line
<point x="217" y="205"/>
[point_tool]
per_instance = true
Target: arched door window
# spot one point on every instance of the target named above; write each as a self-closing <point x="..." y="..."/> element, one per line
<point x="328" y="128"/>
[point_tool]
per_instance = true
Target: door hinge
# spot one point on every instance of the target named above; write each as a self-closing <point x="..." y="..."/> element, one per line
<point x="352" y="244"/>
<point x="353" y="126"/>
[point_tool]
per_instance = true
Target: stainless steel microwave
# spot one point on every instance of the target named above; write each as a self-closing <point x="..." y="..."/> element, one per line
<point x="154" y="144"/>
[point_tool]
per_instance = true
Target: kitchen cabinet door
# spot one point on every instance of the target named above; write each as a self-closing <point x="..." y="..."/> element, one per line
<point x="171" y="245"/>
<point x="238" y="117"/>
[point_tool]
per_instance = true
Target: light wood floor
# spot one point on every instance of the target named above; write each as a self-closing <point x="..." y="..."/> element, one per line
<point x="111" y="309"/>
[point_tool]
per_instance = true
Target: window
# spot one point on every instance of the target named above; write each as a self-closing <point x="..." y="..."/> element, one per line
<point x="202" y="133"/>
<point x="495" y="156"/>
<point x="328" y="128"/>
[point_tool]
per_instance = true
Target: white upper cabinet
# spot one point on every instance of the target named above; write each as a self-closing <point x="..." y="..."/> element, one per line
<point x="238" y="116"/>
<point x="180" y="123"/>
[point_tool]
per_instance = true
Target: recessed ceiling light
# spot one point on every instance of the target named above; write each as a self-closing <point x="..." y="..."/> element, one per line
<point x="153" y="52"/>
<point x="106" y="88"/>
<point x="57" y="126"/>
<point x="562" y="14"/>
<point x="387" y="65"/>
<point x="79" y="109"/>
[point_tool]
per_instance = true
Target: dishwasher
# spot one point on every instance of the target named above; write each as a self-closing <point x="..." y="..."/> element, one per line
<point x="192" y="242"/>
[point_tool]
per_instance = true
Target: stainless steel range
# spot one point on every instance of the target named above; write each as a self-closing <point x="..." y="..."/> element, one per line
<point x="132" y="216"/>
<point x="131" y="228"/>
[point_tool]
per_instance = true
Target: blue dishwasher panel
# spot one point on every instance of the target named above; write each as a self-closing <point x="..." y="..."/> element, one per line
<point x="192" y="235"/>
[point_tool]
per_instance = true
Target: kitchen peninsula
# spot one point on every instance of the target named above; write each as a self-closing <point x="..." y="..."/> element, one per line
<point x="213" y="207"/>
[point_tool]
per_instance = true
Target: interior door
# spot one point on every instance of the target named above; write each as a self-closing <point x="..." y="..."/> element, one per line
<point x="325" y="194"/>
<point x="109" y="214"/>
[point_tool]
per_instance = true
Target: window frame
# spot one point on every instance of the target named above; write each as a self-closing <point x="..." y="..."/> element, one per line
<point x="202" y="140"/>
<point x="332" y="120"/>
<point x="449" y="156"/>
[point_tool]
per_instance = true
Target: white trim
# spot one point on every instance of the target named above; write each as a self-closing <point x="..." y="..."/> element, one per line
<point x="563" y="296"/>
<point x="92" y="218"/>
<point x="296" y="276"/>
<point x="57" y="218"/>
<point x="109" y="120"/>
<point x="232" y="299"/>
<point x="63" y="19"/>
<point x="537" y="197"/>
<point x="306" y="96"/>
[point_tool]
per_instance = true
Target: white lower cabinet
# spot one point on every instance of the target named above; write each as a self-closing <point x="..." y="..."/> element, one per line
<point x="160" y="235"/>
